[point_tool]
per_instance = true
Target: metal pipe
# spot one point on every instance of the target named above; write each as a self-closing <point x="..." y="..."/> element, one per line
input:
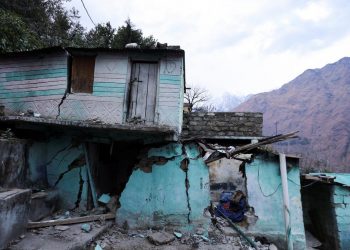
<point x="286" y="207"/>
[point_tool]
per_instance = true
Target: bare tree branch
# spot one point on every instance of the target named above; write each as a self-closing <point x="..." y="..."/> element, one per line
<point x="196" y="97"/>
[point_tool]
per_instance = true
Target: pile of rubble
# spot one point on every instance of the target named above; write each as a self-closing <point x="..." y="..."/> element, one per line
<point x="118" y="238"/>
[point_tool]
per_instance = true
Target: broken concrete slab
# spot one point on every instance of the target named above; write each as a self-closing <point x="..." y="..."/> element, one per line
<point x="14" y="208"/>
<point x="160" y="238"/>
<point x="62" y="228"/>
<point x="43" y="204"/>
<point x="51" y="239"/>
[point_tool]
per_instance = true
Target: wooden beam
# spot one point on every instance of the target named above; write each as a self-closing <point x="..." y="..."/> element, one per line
<point x="69" y="221"/>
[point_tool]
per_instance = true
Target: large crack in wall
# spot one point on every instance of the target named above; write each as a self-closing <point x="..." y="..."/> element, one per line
<point x="146" y="163"/>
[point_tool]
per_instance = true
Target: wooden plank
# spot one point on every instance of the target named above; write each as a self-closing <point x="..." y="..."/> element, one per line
<point x="32" y="99"/>
<point x="34" y="81"/>
<point x="90" y="179"/>
<point x="171" y="94"/>
<point x="169" y="98"/>
<point x="25" y="88"/>
<point x="171" y="66"/>
<point x="70" y="221"/>
<point x="169" y="86"/>
<point x="111" y="64"/>
<point x="16" y="68"/>
<point x="151" y="92"/>
<point x="109" y="84"/>
<point x="82" y="74"/>
<point x="142" y="90"/>
<point x="32" y="84"/>
<point x="174" y="91"/>
<point x="109" y="89"/>
<point x="34" y="61"/>
<point x="89" y="97"/>
<point x="32" y="93"/>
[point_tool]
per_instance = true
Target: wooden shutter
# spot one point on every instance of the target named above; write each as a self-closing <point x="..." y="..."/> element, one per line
<point x="83" y="68"/>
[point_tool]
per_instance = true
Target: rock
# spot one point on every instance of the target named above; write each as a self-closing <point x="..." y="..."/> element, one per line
<point x="200" y="231"/>
<point x="98" y="247"/>
<point x="229" y="231"/>
<point x="61" y="228"/>
<point x="178" y="235"/>
<point x="104" y="198"/>
<point x="205" y="238"/>
<point x="160" y="238"/>
<point x="22" y="236"/>
<point x="272" y="247"/>
<point x="86" y="228"/>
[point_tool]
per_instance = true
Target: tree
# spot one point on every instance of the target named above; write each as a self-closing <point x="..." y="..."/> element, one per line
<point x="15" y="34"/>
<point x="128" y="34"/>
<point x="35" y="24"/>
<point x="40" y="23"/>
<point x="101" y="36"/>
<point x="197" y="98"/>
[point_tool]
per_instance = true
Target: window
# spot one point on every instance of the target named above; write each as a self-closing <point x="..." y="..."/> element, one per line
<point x="82" y="76"/>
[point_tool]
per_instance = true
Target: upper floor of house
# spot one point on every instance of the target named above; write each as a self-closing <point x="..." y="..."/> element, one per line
<point x="131" y="87"/>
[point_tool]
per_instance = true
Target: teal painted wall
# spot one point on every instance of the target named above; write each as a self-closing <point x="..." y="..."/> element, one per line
<point x="341" y="204"/>
<point x="159" y="198"/>
<point x="265" y="196"/>
<point x="49" y="160"/>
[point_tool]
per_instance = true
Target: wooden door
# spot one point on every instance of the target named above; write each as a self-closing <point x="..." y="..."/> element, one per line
<point x="143" y="91"/>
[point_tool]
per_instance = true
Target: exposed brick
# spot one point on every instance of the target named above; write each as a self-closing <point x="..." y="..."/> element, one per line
<point x="222" y="124"/>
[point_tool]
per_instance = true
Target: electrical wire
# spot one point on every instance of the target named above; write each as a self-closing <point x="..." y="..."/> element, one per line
<point x="87" y="12"/>
<point x="266" y="195"/>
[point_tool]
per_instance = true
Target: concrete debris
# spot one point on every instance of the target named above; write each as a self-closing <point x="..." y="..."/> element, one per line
<point x="116" y="236"/>
<point x="112" y="204"/>
<point x="160" y="238"/>
<point x="61" y="228"/>
<point x="104" y="198"/>
<point x="49" y="238"/>
<point x="178" y="235"/>
<point x="272" y="247"/>
<point x="98" y="247"/>
<point x="86" y="227"/>
<point x="311" y="241"/>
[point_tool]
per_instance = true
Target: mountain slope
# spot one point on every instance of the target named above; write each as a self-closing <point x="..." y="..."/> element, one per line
<point x="316" y="103"/>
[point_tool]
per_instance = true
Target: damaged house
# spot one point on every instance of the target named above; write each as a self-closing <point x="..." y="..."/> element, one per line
<point x="326" y="206"/>
<point x="86" y="124"/>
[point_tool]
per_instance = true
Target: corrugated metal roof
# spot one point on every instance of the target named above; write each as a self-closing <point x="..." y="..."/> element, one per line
<point x="93" y="50"/>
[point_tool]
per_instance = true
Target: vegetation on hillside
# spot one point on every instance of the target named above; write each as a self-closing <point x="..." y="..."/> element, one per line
<point x="34" y="24"/>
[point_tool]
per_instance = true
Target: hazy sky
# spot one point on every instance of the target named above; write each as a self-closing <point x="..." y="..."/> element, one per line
<point x="237" y="46"/>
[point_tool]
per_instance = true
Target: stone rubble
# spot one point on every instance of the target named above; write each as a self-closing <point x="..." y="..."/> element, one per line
<point x="118" y="238"/>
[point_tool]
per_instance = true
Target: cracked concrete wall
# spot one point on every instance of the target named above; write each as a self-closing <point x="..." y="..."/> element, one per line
<point x="59" y="163"/>
<point x="14" y="211"/>
<point x="12" y="163"/>
<point x="161" y="197"/>
<point x="265" y="196"/>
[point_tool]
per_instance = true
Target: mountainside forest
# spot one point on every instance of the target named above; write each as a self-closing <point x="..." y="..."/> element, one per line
<point x="316" y="103"/>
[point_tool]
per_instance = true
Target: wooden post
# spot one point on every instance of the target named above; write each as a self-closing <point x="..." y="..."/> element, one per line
<point x="91" y="181"/>
<point x="286" y="207"/>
